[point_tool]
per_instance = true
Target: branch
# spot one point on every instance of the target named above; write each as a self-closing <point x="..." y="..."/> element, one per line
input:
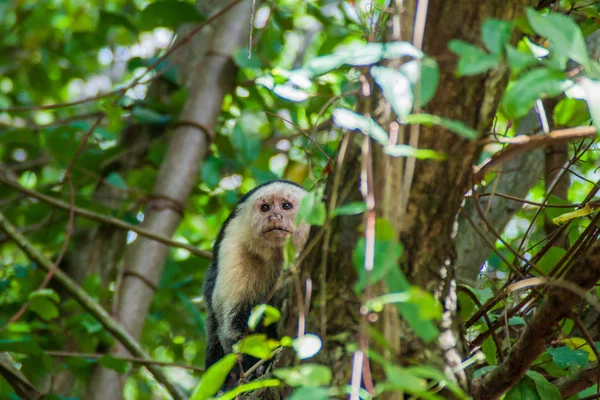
<point x="15" y="378"/>
<point x="82" y="212"/>
<point x="520" y="144"/>
<point x="89" y="305"/>
<point x="580" y="380"/>
<point x="584" y="273"/>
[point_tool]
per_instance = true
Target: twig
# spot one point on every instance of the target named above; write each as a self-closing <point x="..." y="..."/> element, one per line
<point x="82" y="212"/>
<point x="89" y="305"/>
<point x="135" y="360"/>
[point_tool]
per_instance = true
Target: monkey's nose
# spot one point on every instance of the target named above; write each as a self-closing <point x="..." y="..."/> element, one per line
<point x="275" y="216"/>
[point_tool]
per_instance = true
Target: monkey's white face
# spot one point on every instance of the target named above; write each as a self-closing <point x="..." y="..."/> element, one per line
<point x="273" y="217"/>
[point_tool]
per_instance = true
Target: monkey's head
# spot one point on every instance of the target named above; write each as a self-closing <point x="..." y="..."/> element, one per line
<point x="271" y="209"/>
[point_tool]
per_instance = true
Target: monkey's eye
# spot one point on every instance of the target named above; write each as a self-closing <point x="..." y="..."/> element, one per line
<point x="287" y="206"/>
<point x="265" y="208"/>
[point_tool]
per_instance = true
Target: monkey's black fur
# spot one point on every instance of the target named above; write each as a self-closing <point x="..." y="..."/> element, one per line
<point x="214" y="349"/>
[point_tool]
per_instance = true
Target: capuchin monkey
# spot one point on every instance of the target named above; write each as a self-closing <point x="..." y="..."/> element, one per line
<point x="247" y="261"/>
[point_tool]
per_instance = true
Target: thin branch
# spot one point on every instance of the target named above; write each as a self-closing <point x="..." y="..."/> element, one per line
<point x="522" y="143"/>
<point x="84" y="213"/>
<point x="135" y="360"/>
<point x="89" y="305"/>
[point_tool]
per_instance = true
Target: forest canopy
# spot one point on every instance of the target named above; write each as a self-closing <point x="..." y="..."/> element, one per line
<point x="449" y="149"/>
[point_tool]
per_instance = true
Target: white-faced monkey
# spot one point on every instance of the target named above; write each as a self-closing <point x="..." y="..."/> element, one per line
<point x="247" y="261"/>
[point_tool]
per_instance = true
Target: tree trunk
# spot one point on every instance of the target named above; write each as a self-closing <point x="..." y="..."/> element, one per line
<point x="209" y="73"/>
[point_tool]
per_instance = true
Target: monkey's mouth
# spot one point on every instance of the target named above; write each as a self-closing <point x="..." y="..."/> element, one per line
<point x="276" y="229"/>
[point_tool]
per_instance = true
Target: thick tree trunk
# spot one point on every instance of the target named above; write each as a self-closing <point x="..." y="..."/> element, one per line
<point x="427" y="227"/>
<point x="209" y="74"/>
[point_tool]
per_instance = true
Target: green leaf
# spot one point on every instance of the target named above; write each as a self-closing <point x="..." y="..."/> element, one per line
<point x="305" y="375"/>
<point x="525" y="389"/>
<point x="46" y="293"/>
<point x="403" y="150"/>
<point x="519" y="60"/>
<point x="387" y="254"/>
<point x="240" y="58"/>
<point x="490" y="351"/>
<point x="495" y="35"/>
<point x="402" y="379"/>
<point x="439" y="377"/>
<point x="114" y="114"/>
<point x="424" y="83"/>
<point x="352" y="121"/>
<point x="472" y="60"/>
<point x="571" y="112"/>
<point x="396" y="89"/>
<point x="24" y="345"/>
<point x="453" y="126"/>
<point x="168" y="13"/>
<point x="148" y="116"/>
<point x="246" y="143"/>
<point x="257" y="345"/>
<point x="567" y="358"/>
<point x="426" y="305"/>
<point x="113" y="363"/>
<point x="312" y="393"/>
<point x="550" y="259"/>
<point x="565" y="37"/>
<point x="592" y="94"/>
<point x="545" y="389"/>
<point x="312" y="209"/>
<point x="270" y="313"/>
<point x="523" y="93"/>
<point x="232" y="394"/>
<point x="115" y="179"/>
<point x="213" y="378"/>
<point x="353" y="208"/>
<point x="44" y="307"/>
<point x="192" y="310"/>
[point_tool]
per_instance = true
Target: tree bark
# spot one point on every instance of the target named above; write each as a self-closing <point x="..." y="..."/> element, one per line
<point x="209" y="74"/>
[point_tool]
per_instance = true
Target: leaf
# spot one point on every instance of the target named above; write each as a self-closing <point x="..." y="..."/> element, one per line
<point x="312" y="393"/>
<point x="425" y="81"/>
<point x="232" y="394"/>
<point x="519" y="60"/>
<point x="579" y="343"/>
<point x="428" y="308"/>
<point x="49" y="294"/>
<point x="525" y="389"/>
<point x="472" y="60"/>
<point x="113" y="363"/>
<point x="396" y="89"/>
<point x="386" y="256"/>
<point x="307" y="346"/>
<point x="403" y="150"/>
<point x="565" y="37"/>
<point x="535" y="84"/>
<point x="44" y="307"/>
<point x="113" y="113"/>
<point x="453" y="126"/>
<point x="214" y="378"/>
<point x="148" y="116"/>
<point x="550" y="259"/>
<point x="192" y="310"/>
<point x="545" y="389"/>
<point x="490" y="351"/>
<point x="582" y="212"/>
<point x="567" y="358"/>
<point x="592" y="96"/>
<point x="168" y="13"/>
<point x="270" y="313"/>
<point x="305" y="375"/>
<point x="571" y="112"/>
<point x="354" y="208"/>
<point x="288" y="92"/>
<point x="24" y="345"/>
<point x="402" y="379"/>
<point x="495" y="35"/>
<point x="246" y="143"/>
<point x="257" y="345"/>
<point x="352" y="121"/>
<point x="115" y="179"/>
<point x="312" y="210"/>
